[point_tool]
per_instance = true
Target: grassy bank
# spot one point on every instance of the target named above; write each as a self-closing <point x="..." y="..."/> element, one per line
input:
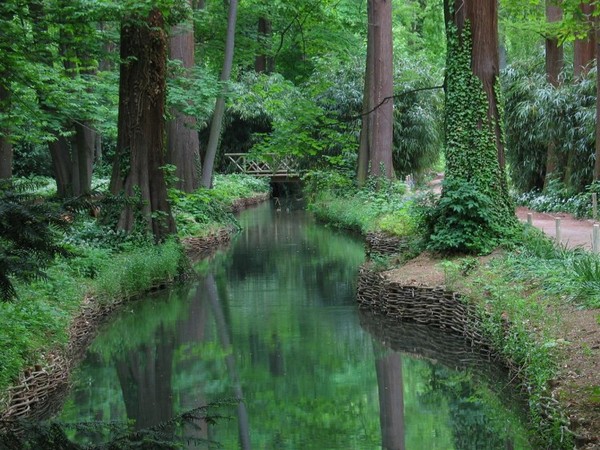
<point x="107" y="266"/>
<point x="521" y="292"/>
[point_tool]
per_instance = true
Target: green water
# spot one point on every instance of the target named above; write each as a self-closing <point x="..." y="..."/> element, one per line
<point x="273" y="320"/>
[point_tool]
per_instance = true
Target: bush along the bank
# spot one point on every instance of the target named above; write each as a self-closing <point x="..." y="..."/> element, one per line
<point x="381" y="205"/>
<point x="104" y="265"/>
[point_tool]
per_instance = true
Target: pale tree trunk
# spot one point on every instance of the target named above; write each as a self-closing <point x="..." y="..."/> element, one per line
<point x="141" y="125"/>
<point x="362" y="171"/>
<point x="183" y="149"/>
<point x="377" y="121"/>
<point x="584" y="50"/>
<point x="554" y="65"/>
<point x="217" y="119"/>
<point x="6" y="149"/>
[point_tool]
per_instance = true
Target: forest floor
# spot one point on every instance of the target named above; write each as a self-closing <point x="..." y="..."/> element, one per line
<point x="577" y="386"/>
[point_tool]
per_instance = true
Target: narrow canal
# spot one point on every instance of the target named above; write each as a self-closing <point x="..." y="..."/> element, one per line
<point x="273" y="320"/>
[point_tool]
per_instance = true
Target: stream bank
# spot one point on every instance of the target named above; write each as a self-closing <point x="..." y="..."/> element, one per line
<point x="40" y="389"/>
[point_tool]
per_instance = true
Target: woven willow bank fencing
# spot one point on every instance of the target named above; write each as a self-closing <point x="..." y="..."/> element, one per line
<point x="385" y="244"/>
<point x="433" y="306"/>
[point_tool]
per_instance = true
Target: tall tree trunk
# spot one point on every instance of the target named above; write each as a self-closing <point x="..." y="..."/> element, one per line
<point x="554" y="65"/>
<point x="474" y="127"/>
<point x="62" y="166"/>
<point x="584" y="50"/>
<point x="183" y="149"/>
<point x="378" y="120"/>
<point x="597" y="144"/>
<point x="217" y="119"/>
<point x="83" y="154"/>
<point x="6" y="149"/>
<point x="140" y="153"/>
<point x="362" y="170"/>
<point x="262" y="62"/>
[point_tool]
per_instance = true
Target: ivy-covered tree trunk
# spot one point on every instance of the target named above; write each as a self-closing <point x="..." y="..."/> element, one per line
<point x="141" y="125"/>
<point x="474" y="127"/>
<point x="554" y="65"/>
<point x="183" y="149"/>
<point x="375" y="151"/>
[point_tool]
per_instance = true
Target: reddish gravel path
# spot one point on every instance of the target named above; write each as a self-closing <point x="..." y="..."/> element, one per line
<point x="573" y="232"/>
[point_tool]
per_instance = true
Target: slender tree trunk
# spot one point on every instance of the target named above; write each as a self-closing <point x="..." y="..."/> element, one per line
<point x="377" y="122"/>
<point x="210" y="288"/>
<point x="141" y="125"/>
<point x="362" y="171"/>
<point x="183" y="150"/>
<point x="6" y="149"/>
<point x="262" y="62"/>
<point x="554" y="65"/>
<point x="597" y="144"/>
<point x="217" y="119"/>
<point x="584" y="50"/>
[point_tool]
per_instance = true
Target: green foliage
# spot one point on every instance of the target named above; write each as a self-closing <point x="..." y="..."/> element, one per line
<point x="28" y="237"/>
<point x="556" y="198"/>
<point x="466" y="221"/>
<point x="538" y="115"/>
<point x="172" y="433"/>
<point x="515" y="316"/>
<point x="475" y="212"/>
<point x="199" y="212"/>
<point x="380" y="204"/>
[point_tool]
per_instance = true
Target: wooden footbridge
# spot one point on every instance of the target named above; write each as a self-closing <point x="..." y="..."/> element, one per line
<point x="277" y="167"/>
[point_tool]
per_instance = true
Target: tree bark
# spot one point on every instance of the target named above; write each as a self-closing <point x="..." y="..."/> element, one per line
<point x="584" y="50"/>
<point x="62" y="166"/>
<point x="554" y="65"/>
<point x="6" y="149"/>
<point x="183" y="149"/>
<point x="474" y="127"/>
<point x="597" y="144"/>
<point x="217" y="119"/>
<point x="362" y="171"/>
<point x="140" y="154"/>
<point x="262" y="62"/>
<point x="378" y="119"/>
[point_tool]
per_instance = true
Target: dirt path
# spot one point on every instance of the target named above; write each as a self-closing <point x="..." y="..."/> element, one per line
<point x="573" y="232"/>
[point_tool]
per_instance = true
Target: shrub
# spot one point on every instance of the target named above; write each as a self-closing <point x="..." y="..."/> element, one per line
<point x="463" y="221"/>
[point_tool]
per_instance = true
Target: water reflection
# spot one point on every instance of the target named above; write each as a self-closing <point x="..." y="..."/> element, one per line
<point x="274" y="323"/>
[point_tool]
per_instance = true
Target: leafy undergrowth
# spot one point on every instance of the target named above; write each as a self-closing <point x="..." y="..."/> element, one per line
<point x="379" y="206"/>
<point x="106" y="265"/>
<point x="557" y="198"/>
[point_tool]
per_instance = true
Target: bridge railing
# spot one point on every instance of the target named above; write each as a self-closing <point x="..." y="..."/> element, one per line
<point x="269" y="165"/>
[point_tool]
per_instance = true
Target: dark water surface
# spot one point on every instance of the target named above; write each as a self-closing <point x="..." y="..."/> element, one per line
<point x="273" y="320"/>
